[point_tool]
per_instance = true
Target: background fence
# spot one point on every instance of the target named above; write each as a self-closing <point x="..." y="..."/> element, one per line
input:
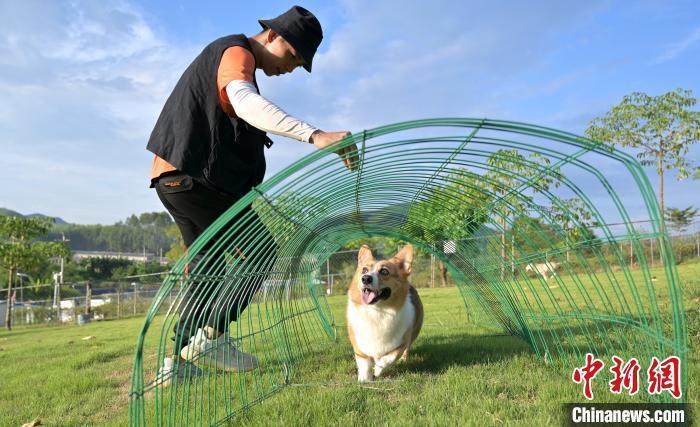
<point x="428" y="271"/>
<point x="105" y="304"/>
<point x="132" y="296"/>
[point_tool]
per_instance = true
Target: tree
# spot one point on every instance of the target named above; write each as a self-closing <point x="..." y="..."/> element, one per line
<point x="377" y="243"/>
<point x="449" y="212"/>
<point x="284" y="216"/>
<point x="680" y="219"/>
<point x="18" y="250"/>
<point x="507" y="169"/>
<point x="150" y="219"/>
<point x="575" y="218"/>
<point x="177" y="250"/>
<point x="102" y="268"/>
<point x="662" y="127"/>
<point x="533" y="233"/>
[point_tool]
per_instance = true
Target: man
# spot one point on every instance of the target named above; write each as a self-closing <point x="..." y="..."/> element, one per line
<point x="209" y="144"/>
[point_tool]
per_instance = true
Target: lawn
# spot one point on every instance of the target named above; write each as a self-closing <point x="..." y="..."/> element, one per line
<point x="459" y="372"/>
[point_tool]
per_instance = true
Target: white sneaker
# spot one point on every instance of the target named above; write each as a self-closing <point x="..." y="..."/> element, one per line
<point x="181" y="371"/>
<point x="219" y="353"/>
<point x="193" y="349"/>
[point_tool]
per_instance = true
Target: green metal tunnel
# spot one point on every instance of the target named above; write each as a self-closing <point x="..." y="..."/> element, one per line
<point x="538" y="240"/>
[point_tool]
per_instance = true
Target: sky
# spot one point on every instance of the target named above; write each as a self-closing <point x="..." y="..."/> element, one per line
<point x="82" y="82"/>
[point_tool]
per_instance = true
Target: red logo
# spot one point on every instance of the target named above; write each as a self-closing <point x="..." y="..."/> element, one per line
<point x="665" y="376"/>
<point x="661" y="376"/>
<point x="626" y="376"/>
<point x="586" y="373"/>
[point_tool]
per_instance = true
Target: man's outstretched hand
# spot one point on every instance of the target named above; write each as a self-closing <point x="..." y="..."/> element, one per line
<point x="322" y="139"/>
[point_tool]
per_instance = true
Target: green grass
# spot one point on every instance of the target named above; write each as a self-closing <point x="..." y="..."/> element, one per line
<point x="458" y="372"/>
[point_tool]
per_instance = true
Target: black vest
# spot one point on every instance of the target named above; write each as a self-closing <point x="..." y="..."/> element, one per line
<point x="195" y="135"/>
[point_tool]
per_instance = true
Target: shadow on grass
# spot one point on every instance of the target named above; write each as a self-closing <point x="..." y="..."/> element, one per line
<point x="437" y="353"/>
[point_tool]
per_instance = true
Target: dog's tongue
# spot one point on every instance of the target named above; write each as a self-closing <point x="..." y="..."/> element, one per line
<point x="368" y="296"/>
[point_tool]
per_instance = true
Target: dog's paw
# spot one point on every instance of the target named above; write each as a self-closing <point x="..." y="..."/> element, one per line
<point x="364" y="369"/>
<point x="364" y="377"/>
<point x="378" y="370"/>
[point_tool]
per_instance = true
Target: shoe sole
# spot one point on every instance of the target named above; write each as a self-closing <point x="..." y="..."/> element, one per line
<point x="211" y="363"/>
<point x="195" y="354"/>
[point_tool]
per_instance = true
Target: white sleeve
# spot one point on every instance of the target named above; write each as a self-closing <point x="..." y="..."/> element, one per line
<point x="250" y="106"/>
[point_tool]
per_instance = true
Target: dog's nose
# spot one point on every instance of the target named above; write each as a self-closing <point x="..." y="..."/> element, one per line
<point x="367" y="279"/>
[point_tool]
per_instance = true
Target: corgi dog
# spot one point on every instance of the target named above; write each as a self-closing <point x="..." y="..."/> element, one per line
<point x="384" y="313"/>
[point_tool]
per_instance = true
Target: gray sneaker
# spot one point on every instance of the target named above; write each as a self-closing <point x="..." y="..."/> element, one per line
<point x="180" y="370"/>
<point x="219" y="353"/>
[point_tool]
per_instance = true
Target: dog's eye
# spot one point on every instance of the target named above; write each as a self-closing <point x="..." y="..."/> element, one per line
<point x="364" y="270"/>
<point x="384" y="271"/>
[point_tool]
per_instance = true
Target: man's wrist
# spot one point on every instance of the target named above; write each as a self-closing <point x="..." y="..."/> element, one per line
<point x="311" y="137"/>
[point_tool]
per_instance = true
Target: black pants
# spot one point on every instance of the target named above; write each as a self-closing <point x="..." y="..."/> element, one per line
<point x="216" y="296"/>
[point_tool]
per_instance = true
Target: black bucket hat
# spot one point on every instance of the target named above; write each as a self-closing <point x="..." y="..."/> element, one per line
<point x="301" y="29"/>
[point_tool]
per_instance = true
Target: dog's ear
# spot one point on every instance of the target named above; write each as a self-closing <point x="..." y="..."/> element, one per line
<point x="365" y="255"/>
<point x="405" y="257"/>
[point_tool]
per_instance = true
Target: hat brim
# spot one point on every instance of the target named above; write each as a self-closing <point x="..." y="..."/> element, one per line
<point x="308" y="58"/>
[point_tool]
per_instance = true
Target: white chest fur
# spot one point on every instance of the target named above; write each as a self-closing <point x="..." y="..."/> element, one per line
<point x="379" y="331"/>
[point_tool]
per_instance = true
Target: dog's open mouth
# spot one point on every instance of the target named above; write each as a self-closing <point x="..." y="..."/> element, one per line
<point x="373" y="296"/>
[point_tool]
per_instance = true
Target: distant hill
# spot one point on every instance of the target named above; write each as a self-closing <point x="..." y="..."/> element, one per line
<point x="38" y="215"/>
<point x="144" y="233"/>
<point x="10" y="212"/>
